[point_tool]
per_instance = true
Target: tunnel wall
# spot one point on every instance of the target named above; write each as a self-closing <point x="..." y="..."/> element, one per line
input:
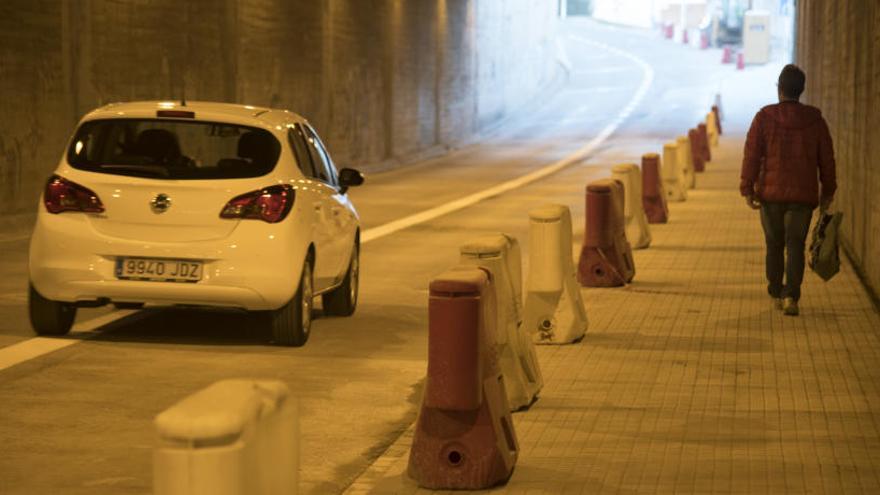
<point x="838" y="46"/>
<point x="384" y="81"/>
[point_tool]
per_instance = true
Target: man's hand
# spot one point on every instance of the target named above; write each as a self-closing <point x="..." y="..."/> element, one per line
<point x="753" y="203"/>
<point x="825" y="203"/>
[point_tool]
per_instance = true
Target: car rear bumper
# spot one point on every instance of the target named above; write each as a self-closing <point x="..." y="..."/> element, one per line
<point x="252" y="269"/>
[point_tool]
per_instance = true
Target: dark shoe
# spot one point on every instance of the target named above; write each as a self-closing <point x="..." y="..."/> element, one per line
<point x="777" y="302"/>
<point x="790" y="307"/>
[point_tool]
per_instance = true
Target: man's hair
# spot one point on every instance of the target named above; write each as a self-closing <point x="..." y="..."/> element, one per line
<point x="791" y="81"/>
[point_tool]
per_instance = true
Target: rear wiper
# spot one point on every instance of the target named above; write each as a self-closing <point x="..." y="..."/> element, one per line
<point x="147" y="170"/>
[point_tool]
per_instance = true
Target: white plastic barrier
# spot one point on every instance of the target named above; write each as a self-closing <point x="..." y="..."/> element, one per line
<point x="637" y="232"/>
<point x="235" y="437"/>
<point x="554" y="311"/>
<point x="672" y="174"/>
<point x="500" y="255"/>
<point x="686" y="161"/>
<point x="712" y="129"/>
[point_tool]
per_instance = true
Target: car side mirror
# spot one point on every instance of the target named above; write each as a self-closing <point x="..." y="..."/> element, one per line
<point x="349" y="177"/>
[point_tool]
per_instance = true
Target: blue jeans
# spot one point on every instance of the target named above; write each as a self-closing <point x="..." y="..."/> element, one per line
<point x="785" y="230"/>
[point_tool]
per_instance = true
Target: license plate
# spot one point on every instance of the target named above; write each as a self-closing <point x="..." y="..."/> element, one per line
<point x="158" y="270"/>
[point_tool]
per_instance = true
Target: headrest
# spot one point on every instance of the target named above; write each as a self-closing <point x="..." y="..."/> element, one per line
<point x="255" y="145"/>
<point x="160" y="144"/>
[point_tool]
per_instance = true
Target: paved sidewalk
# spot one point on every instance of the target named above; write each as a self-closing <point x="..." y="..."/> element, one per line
<point x="688" y="381"/>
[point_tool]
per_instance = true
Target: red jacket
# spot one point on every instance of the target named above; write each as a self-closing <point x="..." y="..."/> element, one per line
<point x="788" y="151"/>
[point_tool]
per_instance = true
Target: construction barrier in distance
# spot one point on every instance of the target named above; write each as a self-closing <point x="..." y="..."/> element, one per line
<point x="554" y="311"/>
<point x="637" y="231"/>
<point x="696" y="150"/>
<point x="653" y="193"/>
<point x="685" y="161"/>
<point x="712" y="128"/>
<point x="717" y="112"/>
<point x="606" y="257"/>
<point x="499" y="254"/>
<point x="704" y="142"/>
<point x="674" y="179"/>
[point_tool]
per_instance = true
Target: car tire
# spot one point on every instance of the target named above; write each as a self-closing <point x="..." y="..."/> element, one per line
<point x="128" y="305"/>
<point x="342" y="301"/>
<point x="292" y="323"/>
<point x="49" y="317"/>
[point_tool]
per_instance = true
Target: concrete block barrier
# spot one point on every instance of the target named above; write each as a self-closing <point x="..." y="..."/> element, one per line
<point x="464" y="437"/>
<point x="653" y="193"/>
<point x="704" y="142"/>
<point x="674" y="179"/>
<point x="554" y="311"/>
<point x="636" y="222"/>
<point x="685" y="161"/>
<point x="235" y="437"/>
<point x="499" y="254"/>
<point x="606" y="256"/>
<point x="712" y="128"/>
<point x="696" y="149"/>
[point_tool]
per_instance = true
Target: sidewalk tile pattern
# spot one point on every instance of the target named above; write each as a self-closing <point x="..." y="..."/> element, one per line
<point x="689" y="381"/>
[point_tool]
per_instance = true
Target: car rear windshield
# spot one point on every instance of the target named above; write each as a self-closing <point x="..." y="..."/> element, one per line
<point x="173" y="149"/>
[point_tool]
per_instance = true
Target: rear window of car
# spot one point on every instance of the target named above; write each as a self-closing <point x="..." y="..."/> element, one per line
<point x="173" y="149"/>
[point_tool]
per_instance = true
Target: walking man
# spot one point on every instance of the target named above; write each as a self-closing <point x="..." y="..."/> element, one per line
<point x="788" y="152"/>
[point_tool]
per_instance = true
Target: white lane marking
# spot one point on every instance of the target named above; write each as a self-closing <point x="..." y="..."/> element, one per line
<point x="37" y="346"/>
<point x="597" y="89"/>
<point x="458" y="204"/>
<point x="603" y="70"/>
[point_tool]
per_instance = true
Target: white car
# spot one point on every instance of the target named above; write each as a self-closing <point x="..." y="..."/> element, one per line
<point x="196" y="204"/>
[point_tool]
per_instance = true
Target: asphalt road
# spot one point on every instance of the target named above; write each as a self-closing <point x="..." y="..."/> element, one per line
<point x="79" y="420"/>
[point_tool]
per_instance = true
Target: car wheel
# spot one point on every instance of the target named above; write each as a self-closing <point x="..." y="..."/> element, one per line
<point x="342" y="301"/>
<point x="49" y="317"/>
<point x="292" y="323"/>
<point x="128" y="305"/>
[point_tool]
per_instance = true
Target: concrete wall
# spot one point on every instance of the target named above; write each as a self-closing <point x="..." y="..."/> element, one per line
<point x="838" y="46"/>
<point x="384" y="81"/>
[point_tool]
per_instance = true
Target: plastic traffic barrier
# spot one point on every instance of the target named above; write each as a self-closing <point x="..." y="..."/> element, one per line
<point x="685" y="161"/>
<point x="727" y="55"/>
<point x="717" y="103"/>
<point x="704" y="142"/>
<point x="637" y="231"/>
<point x="606" y="256"/>
<point x="712" y="128"/>
<point x="499" y="254"/>
<point x="696" y="149"/>
<point x="554" y="311"/>
<point x="717" y="113"/>
<point x="464" y="437"/>
<point x="674" y="179"/>
<point x="653" y="195"/>
<point x="235" y="437"/>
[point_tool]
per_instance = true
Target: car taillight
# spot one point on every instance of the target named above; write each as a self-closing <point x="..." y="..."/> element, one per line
<point x="270" y="204"/>
<point x="64" y="195"/>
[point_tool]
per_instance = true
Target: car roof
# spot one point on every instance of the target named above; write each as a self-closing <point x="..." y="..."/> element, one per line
<point x="204" y="111"/>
